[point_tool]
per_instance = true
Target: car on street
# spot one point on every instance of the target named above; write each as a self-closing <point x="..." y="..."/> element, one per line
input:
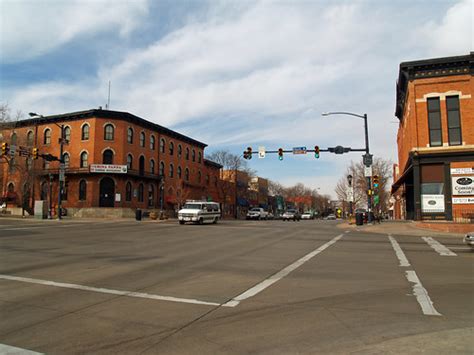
<point x="331" y="217"/>
<point x="469" y="239"/>
<point x="307" y="215"/>
<point x="257" y="213"/>
<point x="199" y="212"/>
<point x="291" y="215"/>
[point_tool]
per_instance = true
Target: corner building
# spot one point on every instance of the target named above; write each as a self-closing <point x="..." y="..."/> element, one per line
<point x="115" y="162"/>
<point x="434" y="178"/>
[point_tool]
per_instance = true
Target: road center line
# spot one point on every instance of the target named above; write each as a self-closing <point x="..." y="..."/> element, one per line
<point x="438" y="247"/>
<point x="399" y="252"/>
<point x="279" y="275"/>
<point x="106" y="290"/>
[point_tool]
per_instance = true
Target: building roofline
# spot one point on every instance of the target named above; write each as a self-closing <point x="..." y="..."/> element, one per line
<point x="429" y="68"/>
<point x="100" y="113"/>
<point x="212" y="163"/>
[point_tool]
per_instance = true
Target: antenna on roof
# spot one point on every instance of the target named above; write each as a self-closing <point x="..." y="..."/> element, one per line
<point x="108" y="101"/>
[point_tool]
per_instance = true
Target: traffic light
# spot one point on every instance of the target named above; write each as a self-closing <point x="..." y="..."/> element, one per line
<point x="316" y="152"/>
<point x="376" y="181"/>
<point x="280" y="153"/>
<point x="5" y="148"/>
<point x="35" y="153"/>
<point x="248" y="153"/>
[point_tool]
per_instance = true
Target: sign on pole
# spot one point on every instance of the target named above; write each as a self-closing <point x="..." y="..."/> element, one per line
<point x="12" y="151"/>
<point x="368" y="171"/>
<point x="350" y="194"/>
<point x="299" y="150"/>
<point x="261" y="152"/>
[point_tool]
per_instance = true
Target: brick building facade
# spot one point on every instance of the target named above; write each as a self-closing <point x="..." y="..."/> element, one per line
<point x="434" y="178"/>
<point x="163" y="168"/>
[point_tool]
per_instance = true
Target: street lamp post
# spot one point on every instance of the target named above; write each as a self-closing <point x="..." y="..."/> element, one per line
<point x="351" y="197"/>
<point x="367" y="157"/>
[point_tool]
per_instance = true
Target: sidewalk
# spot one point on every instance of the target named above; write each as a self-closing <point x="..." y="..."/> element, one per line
<point x="401" y="228"/>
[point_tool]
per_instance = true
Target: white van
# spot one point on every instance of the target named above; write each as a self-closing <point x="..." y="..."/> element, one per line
<point x="199" y="212"/>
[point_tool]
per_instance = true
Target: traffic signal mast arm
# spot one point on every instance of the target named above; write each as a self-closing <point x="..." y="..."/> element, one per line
<point x="330" y="149"/>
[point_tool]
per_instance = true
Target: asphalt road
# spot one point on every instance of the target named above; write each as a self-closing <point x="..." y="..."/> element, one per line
<point x="259" y="287"/>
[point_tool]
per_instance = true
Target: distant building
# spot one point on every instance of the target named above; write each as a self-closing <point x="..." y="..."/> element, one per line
<point x="434" y="178"/>
<point x="112" y="159"/>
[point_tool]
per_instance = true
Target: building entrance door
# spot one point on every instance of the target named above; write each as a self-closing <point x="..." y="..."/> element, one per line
<point x="107" y="192"/>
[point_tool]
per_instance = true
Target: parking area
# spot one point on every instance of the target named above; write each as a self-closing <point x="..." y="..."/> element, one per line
<point x="238" y="286"/>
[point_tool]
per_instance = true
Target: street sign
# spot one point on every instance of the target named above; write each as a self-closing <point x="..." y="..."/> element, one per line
<point x="367" y="159"/>
<point x="299" y="150"/>
<point x="350" y="194"/>
<point x="261" y="152"/>
<point x="62" y="175"/>
<point x="367" y="171"/>
<point x="12" y="151"/>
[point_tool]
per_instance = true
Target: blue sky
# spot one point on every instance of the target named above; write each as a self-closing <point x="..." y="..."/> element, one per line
<point x="231" y="74"/>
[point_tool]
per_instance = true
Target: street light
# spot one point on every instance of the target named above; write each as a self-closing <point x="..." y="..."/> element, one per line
<point x="367" y="160"/>
<point x="351" y="197"/>
<point x="61" y="171"/>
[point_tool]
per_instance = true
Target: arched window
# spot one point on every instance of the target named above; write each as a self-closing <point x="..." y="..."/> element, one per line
<point x="109" y="132"/>
<point x="66" y="159"/>
<point x="129" y="161"/>
<point x="141" y="165"/>
<point x="128" y="191"/>
<point x="152" y="142"/>
<point x="67" y="133"/>
<point x="199" y="177"/>
<point x="82" y="190"/>
<point x="186" y="174"/>
<point x="162" y="145"/>
<point x="199" y="157"/>
<point x="207" y="179"/>
<point x="11" y="187"/>
<point x="47" y="136"/>
<point x="29" y="138"/>
<point x="180" y="150"/>
<point x="108" y="157"/>
<point x="179" y="172"/>
<point x="194" y="155"/>
<point x="85" y="132"/>
<point x="187" y="154"/>
<point x="14" y="139"/>
<point x="151" y="195"/>
<point x="140" y="193"/>
<point x="152" y="166"/>
<point x="130" y="135"/>
<point x="162" y="169"/>
<point x="142" y="139"/>
<point x="171" y="148"/>
<point x="171" y="172"/>
<point x="84" y="158"/>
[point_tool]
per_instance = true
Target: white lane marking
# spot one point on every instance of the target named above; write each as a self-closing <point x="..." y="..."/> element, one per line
<point x="421" y="294"/>
<point x="399" y="252"/>
<point x="11" y="350"/>
<point x="438" y="247"/>
<point x="108" y="291"/>
<point x="279" y="275"/>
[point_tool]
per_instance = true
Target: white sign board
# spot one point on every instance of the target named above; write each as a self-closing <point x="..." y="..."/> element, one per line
<point x="350" y="194"/>
<point x="463" y="200"/>
<point x="432" y="203"/>
<point x="459" y="171"/>
<point x="367" y="171"/>
<point x="463" y="185"/>
<point x="108" y="168"/>
<point x="261" y="152"/>
<point x="118" y="197"/>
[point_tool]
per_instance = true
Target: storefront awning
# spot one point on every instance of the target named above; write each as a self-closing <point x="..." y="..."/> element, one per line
<point x="402" y="179"/>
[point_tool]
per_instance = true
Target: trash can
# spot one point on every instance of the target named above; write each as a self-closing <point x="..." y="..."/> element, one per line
<point x="138" y="214"/>
<point x="359" y="219"/>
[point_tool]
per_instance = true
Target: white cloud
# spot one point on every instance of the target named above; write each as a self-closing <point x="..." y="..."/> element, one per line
<point x="33" y="28"/>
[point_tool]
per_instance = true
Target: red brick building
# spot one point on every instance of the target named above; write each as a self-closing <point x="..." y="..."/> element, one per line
<point x="434" y="178"/>
<point x="112" y="159"/>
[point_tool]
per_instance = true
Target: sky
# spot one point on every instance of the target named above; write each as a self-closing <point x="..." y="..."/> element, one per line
<point x="232" y="74"/>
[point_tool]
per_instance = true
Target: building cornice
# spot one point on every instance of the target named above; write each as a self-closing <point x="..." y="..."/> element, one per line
<point x="429" y="68"/>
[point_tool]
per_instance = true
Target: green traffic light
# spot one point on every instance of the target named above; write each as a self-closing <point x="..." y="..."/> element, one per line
<point x="316" y="155"/>
<point x="280" y="157"/>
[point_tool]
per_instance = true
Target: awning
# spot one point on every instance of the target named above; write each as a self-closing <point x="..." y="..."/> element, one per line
<point x="402" y="178"/>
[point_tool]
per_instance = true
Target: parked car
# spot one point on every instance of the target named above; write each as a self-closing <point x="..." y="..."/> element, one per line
<point x="331" y="217"/>
<point x="469" y="239"/>
<point x="270" y="216"/>
<point x="291" y="214"/>
<point x="307" y="215"/>
<point x="257" y="213"/>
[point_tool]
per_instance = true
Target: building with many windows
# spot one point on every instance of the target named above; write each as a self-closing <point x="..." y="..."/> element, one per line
<point x="434" y="178"/>
<point x="112" y="159"/>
